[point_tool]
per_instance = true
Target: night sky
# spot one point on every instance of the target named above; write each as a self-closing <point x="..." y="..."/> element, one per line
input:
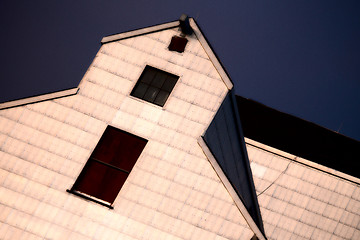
<point x="300" y="57"/>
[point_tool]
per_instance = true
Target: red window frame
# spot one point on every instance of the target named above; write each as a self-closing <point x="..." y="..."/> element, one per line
<point x="108" y="167"/>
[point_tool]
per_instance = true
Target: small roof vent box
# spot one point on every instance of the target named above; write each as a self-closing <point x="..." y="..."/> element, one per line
<point x="178" y="44"/>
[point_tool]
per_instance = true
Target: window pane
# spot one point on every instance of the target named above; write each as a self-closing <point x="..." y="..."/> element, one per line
<point x="159" y="80"/>
<point x="128" y="153"/>
<point x="151" y="94"/>
<point x="169" y="84"/>
<point x="139" y="90"/>
<point x="161" y="98"/>
<point x="148" y="75"/>
<point x="100" y="181"/>
<point x="119" y="149"/>
<point x="105" y="151"/>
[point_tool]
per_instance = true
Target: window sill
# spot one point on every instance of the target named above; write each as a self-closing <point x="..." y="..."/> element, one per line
<point x="87" y="197"/>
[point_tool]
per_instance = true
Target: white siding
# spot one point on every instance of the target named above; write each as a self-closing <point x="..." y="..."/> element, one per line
<point x="172" y="192"/>
<point x="300" y="202"/>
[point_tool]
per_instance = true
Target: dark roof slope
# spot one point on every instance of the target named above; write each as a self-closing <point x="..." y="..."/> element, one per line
<point x="299" y="137"/>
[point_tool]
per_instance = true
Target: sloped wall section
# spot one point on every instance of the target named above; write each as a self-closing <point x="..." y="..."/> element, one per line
<point x="299" y="201"/>
<point x="225" y="140"/>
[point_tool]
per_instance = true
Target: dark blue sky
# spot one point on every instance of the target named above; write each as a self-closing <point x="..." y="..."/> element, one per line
<point x="300" y="57"/>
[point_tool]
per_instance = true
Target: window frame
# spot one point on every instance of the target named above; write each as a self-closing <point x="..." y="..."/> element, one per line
<point x="145" y="74"/>
<point x="86" y="170"/>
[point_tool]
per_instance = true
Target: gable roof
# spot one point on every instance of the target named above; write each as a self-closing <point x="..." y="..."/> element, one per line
<point x="249" y="208"/>
<point x="205" y="44"/>
<point x="213" y="59"/>
<point x="253" y="217"/>
<point x="128" y="34"/>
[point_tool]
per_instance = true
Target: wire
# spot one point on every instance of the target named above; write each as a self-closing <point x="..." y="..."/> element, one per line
<point x="283" y="172"/>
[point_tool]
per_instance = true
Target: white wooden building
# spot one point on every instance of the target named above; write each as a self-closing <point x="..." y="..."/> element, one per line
<point x="150" y="146"/>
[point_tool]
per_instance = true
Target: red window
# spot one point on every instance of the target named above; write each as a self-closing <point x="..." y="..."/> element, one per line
<point x="108" y="166"/>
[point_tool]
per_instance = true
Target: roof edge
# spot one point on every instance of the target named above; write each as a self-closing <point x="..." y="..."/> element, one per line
<point x="238" y="202"/>
<point x="303" y="161"/>
<point x="39" y="98"/>
<point x="211" y="54"/>
<point x="245" y="154"/>
<point x="140" y="31"/>
<point x="295" y="116"/>
<point x="198" y="33"/>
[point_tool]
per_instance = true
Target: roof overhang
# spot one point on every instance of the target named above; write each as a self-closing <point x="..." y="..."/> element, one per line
<point x="39" y="98"/>
<point x="176" y="24"/>
<point x="142" y="31"/>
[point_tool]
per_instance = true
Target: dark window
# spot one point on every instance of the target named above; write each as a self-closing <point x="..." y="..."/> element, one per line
<point x="154" y="85"/>
<point x="178" y="44"/>
<point x="108" y="166"/>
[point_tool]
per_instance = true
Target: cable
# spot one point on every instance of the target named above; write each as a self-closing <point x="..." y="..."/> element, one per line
<point x="276" y="178"/>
